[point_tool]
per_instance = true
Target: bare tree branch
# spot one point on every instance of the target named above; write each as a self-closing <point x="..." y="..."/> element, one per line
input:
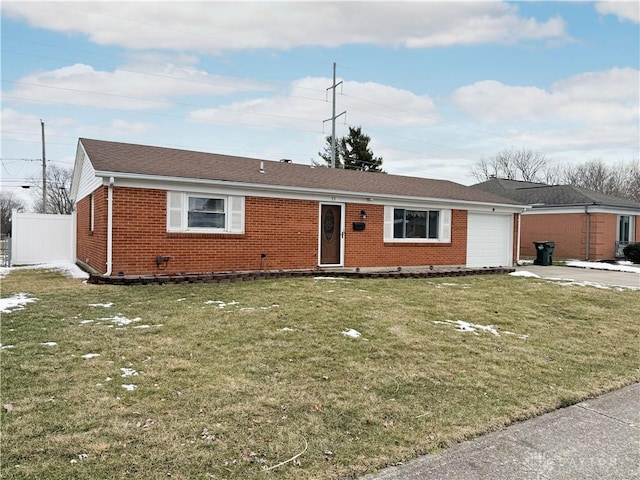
<point x="58" y="190"/>
<point x="8" y="203"/>
<point x="512" y="164"/>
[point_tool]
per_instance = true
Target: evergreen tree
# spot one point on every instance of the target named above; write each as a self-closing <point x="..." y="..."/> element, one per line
<point x="353" y="152"/>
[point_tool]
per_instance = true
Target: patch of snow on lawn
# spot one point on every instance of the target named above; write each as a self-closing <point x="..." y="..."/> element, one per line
<point x="469" y="327"/>
<point x="87" y="356"/>
<point x="351" y="333"/>
<point x="220" y="303"/>
<point x="105" y="305"/>
<point x="286" y="329"/>
<point x="604" y="266"/>
<point x="524" y="273"/>
<point x="6" y="347"/>
<point x="333" y="279"/>
<point x="119" y="320"/>
<point x="68" y="268"/>
<point x="129" y="388"/>
<point x="17" y="302"/>
<point x="49" y="344"/>
<point x="128" y="372"/>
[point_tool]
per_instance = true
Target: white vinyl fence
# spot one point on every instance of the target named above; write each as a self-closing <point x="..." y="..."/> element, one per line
<point x="42" y="238"/>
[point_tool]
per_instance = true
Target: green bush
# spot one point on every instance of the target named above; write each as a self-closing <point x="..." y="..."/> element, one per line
<point x="632" y="252"/>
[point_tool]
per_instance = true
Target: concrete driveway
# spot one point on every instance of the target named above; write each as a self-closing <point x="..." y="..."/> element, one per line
<point x="603" y="277"/>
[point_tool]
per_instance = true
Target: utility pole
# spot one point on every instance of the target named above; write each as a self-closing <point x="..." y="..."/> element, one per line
<point x="333" y="118"/>
<point x="44" y="172"/>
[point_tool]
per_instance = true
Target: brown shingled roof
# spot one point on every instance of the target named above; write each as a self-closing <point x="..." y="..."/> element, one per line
<point x="126" y="159"/>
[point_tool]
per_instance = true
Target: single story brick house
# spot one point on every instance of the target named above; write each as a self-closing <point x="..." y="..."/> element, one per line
<point x="144" y="210"/>
<point x="584" y="224"/>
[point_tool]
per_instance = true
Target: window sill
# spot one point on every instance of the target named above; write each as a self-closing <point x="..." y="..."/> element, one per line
<point x="204" y="235"/>
<point x="417" y="244"/>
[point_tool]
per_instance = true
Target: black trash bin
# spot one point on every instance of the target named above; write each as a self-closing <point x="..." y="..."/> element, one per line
<point x="544" y="253"/>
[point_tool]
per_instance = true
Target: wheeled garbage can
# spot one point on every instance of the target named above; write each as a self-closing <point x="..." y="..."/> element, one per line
<point x="544" y="253"/>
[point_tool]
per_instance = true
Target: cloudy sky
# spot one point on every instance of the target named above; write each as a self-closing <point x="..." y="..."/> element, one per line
<point x="436" y="85"/>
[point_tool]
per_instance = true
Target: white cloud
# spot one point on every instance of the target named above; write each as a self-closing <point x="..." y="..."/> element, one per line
<point x="19" y="126"/>
<point x="624" y="10"/>
<point x="140" y="87"/>
<point x="591" y="115"/>
<point x="305" y="105"/>
<point x="121" y="128"/>
<point x="611" y="96"/>
<point x="219" y="26"/>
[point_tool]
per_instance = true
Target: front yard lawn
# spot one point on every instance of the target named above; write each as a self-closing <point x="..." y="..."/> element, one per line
<point x="230" y="380"/>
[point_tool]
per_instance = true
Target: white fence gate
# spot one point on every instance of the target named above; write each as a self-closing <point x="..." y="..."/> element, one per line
<point x="42" y="238"/>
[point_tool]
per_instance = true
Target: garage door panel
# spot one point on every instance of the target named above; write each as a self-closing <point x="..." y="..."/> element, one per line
<point x="489" y="240"/>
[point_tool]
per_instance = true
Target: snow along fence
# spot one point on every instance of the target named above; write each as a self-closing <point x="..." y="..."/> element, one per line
<point x="42" y="238"/>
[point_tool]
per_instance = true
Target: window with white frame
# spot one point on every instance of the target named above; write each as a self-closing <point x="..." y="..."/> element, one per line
<point x="417" y="225"/>
<point x="625" y="228"/>
<point x="205" y="212"/>
<point x="195" y="212"/>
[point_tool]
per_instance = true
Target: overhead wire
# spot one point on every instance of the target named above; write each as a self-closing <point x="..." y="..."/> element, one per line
<point x="169" y="102"/>
<point x="236" y="86"/>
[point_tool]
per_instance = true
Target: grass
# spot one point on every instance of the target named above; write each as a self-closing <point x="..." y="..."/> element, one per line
<point x="223" y="392"/>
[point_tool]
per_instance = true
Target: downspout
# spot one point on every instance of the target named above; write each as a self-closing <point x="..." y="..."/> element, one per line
<point x="519" y="238"/>
<point x="110" y="228"/>
<point x="588" y="219"/>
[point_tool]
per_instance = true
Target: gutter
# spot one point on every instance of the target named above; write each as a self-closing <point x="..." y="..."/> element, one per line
<point x="110" y="228"/>
<point x="358" y="197"/>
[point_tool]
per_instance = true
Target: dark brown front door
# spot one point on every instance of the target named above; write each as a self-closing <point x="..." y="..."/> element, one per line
<point x="330" y="234"/>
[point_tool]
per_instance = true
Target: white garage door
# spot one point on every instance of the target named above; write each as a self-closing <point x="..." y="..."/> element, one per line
<point x="489" y="240"/>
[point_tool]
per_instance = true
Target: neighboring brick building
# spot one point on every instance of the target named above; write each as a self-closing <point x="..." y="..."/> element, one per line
<point x="150" y="210"/>
<point x="584" y="224"/>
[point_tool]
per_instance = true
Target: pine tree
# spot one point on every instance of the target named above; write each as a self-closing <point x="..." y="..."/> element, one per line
<point x="353" y="152"/>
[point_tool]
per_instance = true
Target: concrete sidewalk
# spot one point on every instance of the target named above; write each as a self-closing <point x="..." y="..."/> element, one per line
<point x="595" y="439"/>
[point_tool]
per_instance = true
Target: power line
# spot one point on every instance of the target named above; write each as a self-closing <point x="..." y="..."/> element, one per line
<point x="160" y="101"/>
<point x="388" y="107"/>
<point x="237" y="86"/>
<point x="234" y="82"/>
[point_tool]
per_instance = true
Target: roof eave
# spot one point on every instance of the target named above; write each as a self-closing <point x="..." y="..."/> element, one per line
<point x="304" y="190"/>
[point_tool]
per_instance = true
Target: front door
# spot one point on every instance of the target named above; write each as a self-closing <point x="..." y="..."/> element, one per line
<point x="330" y="234"/>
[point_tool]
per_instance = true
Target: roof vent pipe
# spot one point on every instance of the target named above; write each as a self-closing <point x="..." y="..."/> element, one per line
<point x="261" y="166"/>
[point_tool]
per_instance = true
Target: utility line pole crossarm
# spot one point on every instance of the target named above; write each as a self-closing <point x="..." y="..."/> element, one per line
<point x="333" y="117"/>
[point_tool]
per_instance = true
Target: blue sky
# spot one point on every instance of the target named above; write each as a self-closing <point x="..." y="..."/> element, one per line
<point x="436" y="85"/>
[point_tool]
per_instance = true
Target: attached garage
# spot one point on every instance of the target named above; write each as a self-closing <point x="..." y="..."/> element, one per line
<point x="489" y="240"/>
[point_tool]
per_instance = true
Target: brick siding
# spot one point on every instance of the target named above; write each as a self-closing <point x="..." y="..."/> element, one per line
<point x="367" y="248"/>
<point x="286" y="231"/>
<point x="569" y="231"/>
<point x="91" y="247"/>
